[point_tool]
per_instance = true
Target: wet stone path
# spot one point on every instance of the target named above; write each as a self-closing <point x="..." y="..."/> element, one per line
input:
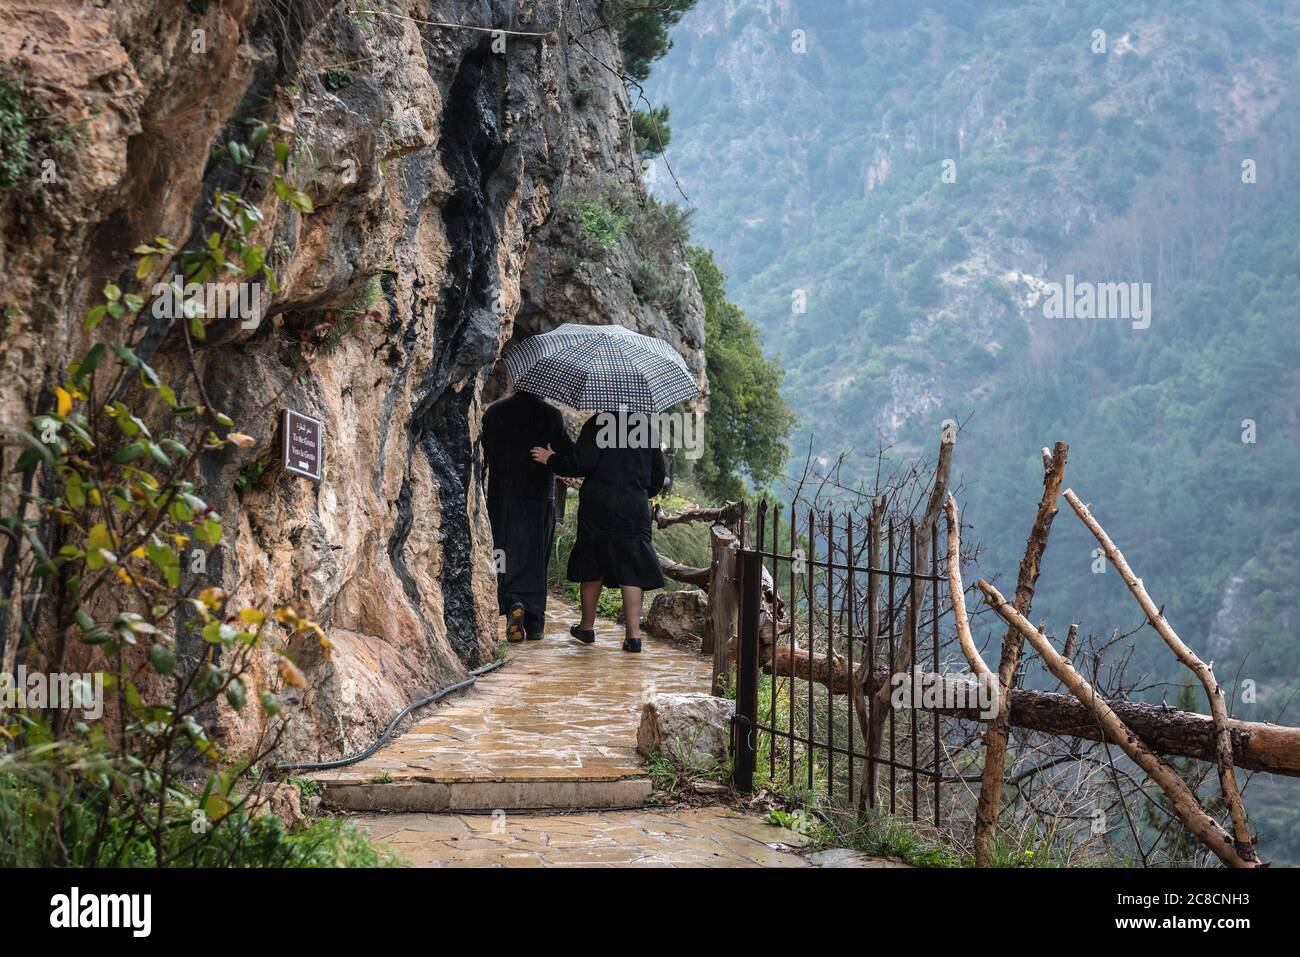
<point x="536" y="766"/>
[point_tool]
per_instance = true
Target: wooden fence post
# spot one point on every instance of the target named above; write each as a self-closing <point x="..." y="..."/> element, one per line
<point x="723" y="600"/>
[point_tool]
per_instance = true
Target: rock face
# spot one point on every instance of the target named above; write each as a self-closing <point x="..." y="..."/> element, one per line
<point x="677" y="615"/>
<point x="691" y="728"/>
<point x="444" y="167"/>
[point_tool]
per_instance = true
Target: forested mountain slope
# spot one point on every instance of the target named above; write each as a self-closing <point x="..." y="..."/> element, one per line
<point x="891" y="187"/>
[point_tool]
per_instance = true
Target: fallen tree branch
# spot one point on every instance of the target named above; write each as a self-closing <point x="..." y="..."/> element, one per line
<point x="699" y="577"/>
<point x="1245" y="841"/>
<point x="1256" y="745"/>
<point x="728" y="515"/>
<point x="1181" y="798"/>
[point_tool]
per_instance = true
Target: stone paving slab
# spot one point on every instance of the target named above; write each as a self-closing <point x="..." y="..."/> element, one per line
<point x="685" y="837"/>
<point x="554" y="728"/>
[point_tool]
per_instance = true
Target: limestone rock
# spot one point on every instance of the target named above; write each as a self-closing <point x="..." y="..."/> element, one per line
<point x="692" y="728"/>
<point x="283" y="800"/>
<point x="677" y="615"/>
<point x="440" y="171"/>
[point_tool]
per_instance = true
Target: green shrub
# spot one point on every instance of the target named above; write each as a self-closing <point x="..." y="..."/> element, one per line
<point x="601" y="223"/>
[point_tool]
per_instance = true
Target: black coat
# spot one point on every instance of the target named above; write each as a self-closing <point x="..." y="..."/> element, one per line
<point x="520" y="499"/>
<point x="617" y="485"/>
<point x="511" y="427"/>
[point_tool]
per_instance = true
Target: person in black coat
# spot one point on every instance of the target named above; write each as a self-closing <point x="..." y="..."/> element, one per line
<point x="521" y="505"/>
<point x="621" y="471"/>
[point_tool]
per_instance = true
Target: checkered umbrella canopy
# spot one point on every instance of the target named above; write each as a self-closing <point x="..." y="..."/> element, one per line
<point x="600" y="368"/>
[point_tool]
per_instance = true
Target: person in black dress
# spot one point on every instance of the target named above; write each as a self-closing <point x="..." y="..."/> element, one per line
<point x="613" y="548"/>
<point x="521" y="505"/>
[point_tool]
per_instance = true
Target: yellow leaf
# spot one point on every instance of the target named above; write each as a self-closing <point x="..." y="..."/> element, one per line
<point x="241" y="440"/>
<point x="139" y="553"/>
<point x="212" y="597"/>
<point x="180" y="541"/>
<point x="123" y="574"/>
<point x="252" y="616"/>
<point x="285" y="615"/>
<point x="64" y="400"/>
<point x="291" y="674"/>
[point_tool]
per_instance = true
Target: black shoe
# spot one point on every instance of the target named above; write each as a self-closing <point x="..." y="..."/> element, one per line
<point x="537" y="636"/>
<point x="515" y="623"/>
<point x="632" y="644"/>
<point x="584" y="635"/>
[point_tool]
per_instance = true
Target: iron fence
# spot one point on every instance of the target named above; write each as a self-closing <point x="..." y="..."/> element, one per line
<point x="821" y="626"/>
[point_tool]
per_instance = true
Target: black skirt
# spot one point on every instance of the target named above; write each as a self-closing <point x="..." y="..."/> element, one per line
<point x="616" y="562"/>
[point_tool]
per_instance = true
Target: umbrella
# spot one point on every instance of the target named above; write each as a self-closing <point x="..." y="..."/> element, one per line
<point x="601" y="368"/>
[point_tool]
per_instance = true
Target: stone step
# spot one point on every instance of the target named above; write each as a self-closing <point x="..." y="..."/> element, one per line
<point x="487" y="796"/>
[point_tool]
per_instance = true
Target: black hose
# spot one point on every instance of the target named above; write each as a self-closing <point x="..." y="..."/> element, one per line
<point x="392" y="725"/>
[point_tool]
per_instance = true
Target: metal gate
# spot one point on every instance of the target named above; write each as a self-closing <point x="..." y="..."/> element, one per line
<point x="843" y="592"/>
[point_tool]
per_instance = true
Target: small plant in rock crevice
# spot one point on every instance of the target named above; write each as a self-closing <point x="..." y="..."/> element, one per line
<point x="29" y="132"/>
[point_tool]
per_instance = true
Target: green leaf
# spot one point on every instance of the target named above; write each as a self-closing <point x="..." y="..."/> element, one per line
<point x="74" y="492"/>
<point x="129" y="452"/>
<point x="128" y="358"/>
<point x="144" y="266"/>
<point x="270" y="703"/>
<point x="209" y="532"/>
<point x="92" y="359"/>
<point x="82" y="618"/>
<point x="166" y="559"/>
<point x="94" y="317"/>
<point x="236" y="694"/>
<point x="159" y="455"/>
<point x="217" y="632"/>
<point x="162" y="658"/>
<point x="112" y="293"/>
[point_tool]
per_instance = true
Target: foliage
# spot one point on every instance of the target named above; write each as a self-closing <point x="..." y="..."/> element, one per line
<point x="601" y="223"/>
<point x="107" y="529"/>
<point x="748" y="425"/>
<point x="673" y="780"/>
<point x="643" y="31"/>
<point x="322" y="333"/>
<point x="29" y="131"/>
<point x="72" y="803"/>
<point x="651" y="131"/>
